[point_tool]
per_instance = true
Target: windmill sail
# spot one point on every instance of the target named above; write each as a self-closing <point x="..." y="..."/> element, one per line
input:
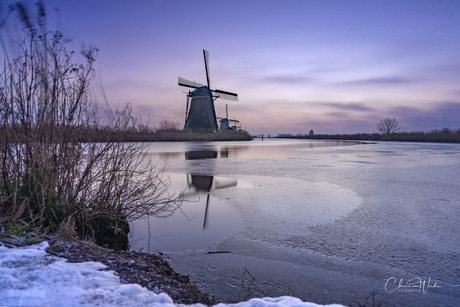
<point x="206" y="59"/>
<point x="188" y="83"/>
<point x="226" y="95"/>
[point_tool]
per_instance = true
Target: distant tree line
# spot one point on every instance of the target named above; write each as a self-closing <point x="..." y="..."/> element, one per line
<point x="437" y="135"/>
<point x="388" y="130"/>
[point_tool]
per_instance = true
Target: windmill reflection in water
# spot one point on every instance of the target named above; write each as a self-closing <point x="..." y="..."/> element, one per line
<point x="198" y="184"/>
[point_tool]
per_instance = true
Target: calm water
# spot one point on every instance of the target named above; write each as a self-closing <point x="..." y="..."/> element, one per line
<point x="323" y="221"/>
<point x="199" y="221"/>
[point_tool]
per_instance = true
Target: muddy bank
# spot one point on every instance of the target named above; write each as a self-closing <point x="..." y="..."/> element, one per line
<point x="148" y="270"/>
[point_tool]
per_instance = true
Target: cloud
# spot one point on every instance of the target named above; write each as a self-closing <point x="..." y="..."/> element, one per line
<point x="440" y="115"/>
<point x="349" y="106"/>
<point x="444" y="69"/>
<point x="289" y="79"/>
<point x="379" y="81"/>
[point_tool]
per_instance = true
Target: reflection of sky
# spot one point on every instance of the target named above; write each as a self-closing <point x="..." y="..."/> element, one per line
<point x="331" y="66"/>
<point x="269" y="148"/>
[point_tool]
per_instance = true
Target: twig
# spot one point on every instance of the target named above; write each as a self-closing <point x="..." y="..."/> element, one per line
<point x="219" y="252"/>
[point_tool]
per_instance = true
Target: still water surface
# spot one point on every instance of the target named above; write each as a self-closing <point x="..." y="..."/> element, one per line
<point x="198" y="221"/>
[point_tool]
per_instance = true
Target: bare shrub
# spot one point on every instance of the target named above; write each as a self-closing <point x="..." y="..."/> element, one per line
<point x="46" y="174"/>
<point x="168" y="126"/>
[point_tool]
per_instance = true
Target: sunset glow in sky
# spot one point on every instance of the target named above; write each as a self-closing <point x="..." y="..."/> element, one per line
<point x="331" y="66"/>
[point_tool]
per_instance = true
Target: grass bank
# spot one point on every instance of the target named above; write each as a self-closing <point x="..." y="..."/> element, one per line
<point x="172" y="136"/>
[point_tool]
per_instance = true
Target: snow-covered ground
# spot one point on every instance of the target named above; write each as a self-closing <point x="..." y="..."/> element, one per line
<point x="31" y="277"/>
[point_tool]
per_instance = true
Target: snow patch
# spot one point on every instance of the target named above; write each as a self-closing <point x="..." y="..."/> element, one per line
<point x="31" y="277"/>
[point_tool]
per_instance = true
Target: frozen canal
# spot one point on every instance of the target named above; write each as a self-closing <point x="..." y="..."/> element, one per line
<point x="328" y="222"/>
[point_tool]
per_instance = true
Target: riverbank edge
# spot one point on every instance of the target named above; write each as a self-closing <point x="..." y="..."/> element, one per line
<point x="174" y="136"/>
<point x="151" y="271"/>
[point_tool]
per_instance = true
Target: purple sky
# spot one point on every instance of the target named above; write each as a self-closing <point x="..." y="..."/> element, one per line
<point x="331" y="66"/>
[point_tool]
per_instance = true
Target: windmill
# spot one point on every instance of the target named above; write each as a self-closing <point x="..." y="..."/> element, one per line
<point x="225" y="122"/>
<point x="200" y="113"/>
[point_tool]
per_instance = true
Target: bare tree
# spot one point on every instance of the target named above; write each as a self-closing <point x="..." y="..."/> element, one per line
<point x="388" y="125"/>
<point x="47" y="177"/>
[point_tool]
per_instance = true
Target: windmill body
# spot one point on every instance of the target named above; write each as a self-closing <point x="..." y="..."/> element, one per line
<point x="200" y="113"/>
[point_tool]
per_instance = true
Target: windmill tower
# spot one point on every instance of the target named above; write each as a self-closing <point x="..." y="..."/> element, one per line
<point x="200" y="113"/>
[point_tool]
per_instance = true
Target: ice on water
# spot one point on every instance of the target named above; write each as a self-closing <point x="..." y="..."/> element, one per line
<point x="31" y="277"/>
